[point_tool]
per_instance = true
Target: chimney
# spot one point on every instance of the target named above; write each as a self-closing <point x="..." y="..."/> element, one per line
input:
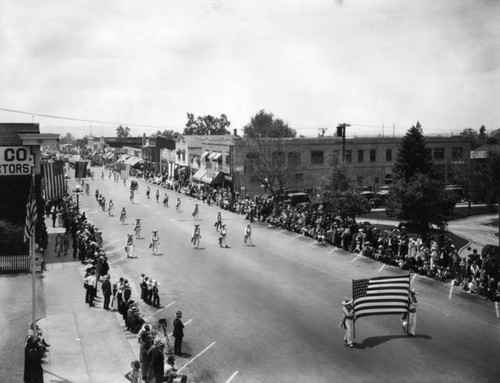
<point x="235" y="132"/>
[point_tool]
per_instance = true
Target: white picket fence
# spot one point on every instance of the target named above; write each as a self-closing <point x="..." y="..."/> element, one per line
<point x="14" y="263"/>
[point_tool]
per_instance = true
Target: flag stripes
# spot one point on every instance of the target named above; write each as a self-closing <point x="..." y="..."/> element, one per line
<point x="31" y="214"/>
<point x="381" y="295"/>
<point x="81" y="169"/>
<point x="53" y="180"/>
<point x="124" y="171"/>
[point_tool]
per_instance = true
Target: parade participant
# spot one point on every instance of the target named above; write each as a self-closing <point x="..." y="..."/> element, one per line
<point x="149" y="291"/>
<point x="137" y="228"/>
<point x="111" y="206"/>
<point x="103" y="204"/>
<point x="222" y="236"/>
<point x="131" y="196"/>
<point x="148" y="191"/>
<point x="248" y="234"/>
<point x="218" y="221"/>
<point x="348" y="321"/>
<point x="165" y="200"/>
<point x="155" y="241"/>
<point x="178" y="333"/>
<point x="106" y="291"/>
<point x="410" y="323"/>
<point x="102" y="175"/>
<point x="87" y="189"/>
<point x="129" y="246"/>
<point x="66" y="243"/>
<point x="195" y="239"/>
<point x="178" y="204"/>
<point x="123" y="215"/>
<point x="196" y="211"/>
<point x="156" y="294"/>
<point x="97" y="194"/>
<point x="157" y="195"/>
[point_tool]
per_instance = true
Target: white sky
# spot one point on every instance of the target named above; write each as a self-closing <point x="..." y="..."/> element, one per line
<point x="313" y="63"/>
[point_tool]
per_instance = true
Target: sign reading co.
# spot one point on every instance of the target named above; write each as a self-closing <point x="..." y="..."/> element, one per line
<point x="16" y="160"/>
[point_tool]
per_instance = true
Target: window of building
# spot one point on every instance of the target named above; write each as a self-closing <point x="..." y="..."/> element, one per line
<point x="457" y="154"/>
<point x="299" y="177"/>
<point x="336" y="157"/>
<point x="252" y="155"/>
<point x="278" y="158"/>
<point x="377" y="180"/>
<point x="438" y="153"/>
<point x="373" y="155"/>
<point x="317" y="157"/>
<point x="293" y="158"/>
<point x="227" y="160"/>
<point x="361" y="155"/>
<point x="348" y="156"/>
<point x="388" y="155"/>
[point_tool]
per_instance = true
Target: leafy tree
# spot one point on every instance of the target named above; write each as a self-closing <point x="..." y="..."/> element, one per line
<point x="207" y="125"/>
<point x="473" y="135"/>
<point x="345" y="203"/>
<point x="413" y="156"/>
<point x="482" y="132"/>
<point x="122" y="132"/>
<point x="420" y="200"/>
<point x="166" y="133"/>
<point x="266" y="125"/>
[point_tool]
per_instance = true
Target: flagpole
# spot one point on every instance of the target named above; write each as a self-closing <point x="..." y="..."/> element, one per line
<point x="33" y="272"/>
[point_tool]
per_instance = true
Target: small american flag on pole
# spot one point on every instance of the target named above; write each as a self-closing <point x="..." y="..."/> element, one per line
<point x="381" y="295"/>
<point x="31" y="214"/>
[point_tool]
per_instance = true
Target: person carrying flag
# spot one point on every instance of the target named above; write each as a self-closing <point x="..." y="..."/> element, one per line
<point x="348" y="321"/>
<point x="410" y="322"/>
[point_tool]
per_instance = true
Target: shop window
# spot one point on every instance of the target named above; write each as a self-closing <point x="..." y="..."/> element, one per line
<point x="388" y="155"/>
<point x="361" y="155"/>
<point x="373" y="155"/>
<point x="438" y="153"/>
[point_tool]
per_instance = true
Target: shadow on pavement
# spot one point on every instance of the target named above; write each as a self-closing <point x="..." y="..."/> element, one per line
<point x="58" y="379"/>
<point x="376" y="340"/>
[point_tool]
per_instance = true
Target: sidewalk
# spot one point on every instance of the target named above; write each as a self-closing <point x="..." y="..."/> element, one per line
<point x="88" y="344"/>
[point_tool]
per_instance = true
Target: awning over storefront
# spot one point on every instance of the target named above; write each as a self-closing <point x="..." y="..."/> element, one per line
<point x="199" y="174"/>
<point x="217" y="156"/>
<point x="123" y="158"/>
<point x="205" y="154"/>
<point x="211" y="156"/>
<point x="108" y="155"/>
<point x="215" y="180"/>
<point x="133" y="160"/>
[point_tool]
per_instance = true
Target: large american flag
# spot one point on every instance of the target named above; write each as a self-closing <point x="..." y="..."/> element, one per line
<point x="31" y="214"/>
<point x="380" y="295"/>
<point x="53" y="180"/>
<point x="124" y="171"/>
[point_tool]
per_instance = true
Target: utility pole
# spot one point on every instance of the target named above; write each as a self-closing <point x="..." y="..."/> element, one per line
<point x="341" y="133"/>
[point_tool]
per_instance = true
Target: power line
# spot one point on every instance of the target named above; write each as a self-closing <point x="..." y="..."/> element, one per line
<point x="82" y="119"/>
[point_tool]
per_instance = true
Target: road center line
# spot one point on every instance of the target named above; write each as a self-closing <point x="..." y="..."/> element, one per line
<point x="281" y="231"/>
<point x="232" y="376"/>
<point x="298" y="236"/>
<point x="157" y="311"/>
<point x="496" y="309"/>
<point x="379" y="270"/>
<point x="110" y="243"/>
<point x="451" y="289"/>
<point x="211" y="344"/>
<point x="359" y="255"/>
<point x="414" y="276"/>
<point x="119" y="259"/>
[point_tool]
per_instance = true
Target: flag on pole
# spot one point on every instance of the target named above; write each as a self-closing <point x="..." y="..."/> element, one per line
<point x="124" y="171"/>
<point x="381" y="295"/>
<point x="31" y="214"/>
<point x="53" y="180"/>
<point x="81" y="169"/>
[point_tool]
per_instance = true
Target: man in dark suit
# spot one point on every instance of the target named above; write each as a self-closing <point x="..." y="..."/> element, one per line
<point x="178" y="333"/>
<point x="106" y="291"/>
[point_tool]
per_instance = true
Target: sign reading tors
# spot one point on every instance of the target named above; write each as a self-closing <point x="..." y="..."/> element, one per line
<point x="16" y="160"/>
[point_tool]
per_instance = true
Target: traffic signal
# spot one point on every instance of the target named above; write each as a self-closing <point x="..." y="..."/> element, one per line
<point x="340" y="131"/>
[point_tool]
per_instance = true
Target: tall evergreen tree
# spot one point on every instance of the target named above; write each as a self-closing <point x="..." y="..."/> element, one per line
<point x="413" y="156"/>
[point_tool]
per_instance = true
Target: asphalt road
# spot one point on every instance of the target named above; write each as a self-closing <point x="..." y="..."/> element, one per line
<point x="269" y="313"/>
